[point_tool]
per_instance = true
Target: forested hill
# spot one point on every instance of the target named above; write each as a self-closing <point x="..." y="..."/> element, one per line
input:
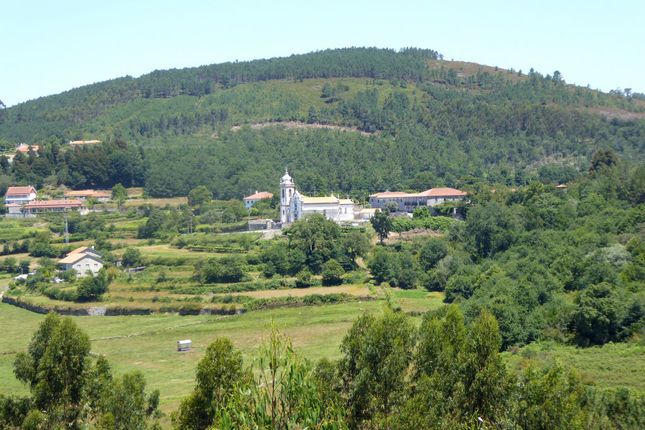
<point x="423" y="121"/>
<point x="58" y="114"/>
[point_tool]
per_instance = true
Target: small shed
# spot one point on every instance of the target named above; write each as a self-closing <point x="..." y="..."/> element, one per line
<point x="184" y="345"/>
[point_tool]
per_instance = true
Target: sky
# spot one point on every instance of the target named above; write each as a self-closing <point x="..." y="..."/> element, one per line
<point x="47" y="47"/>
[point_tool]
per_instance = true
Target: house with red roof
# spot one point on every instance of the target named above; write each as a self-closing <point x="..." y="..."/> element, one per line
<point x="20" y="195"/>
<point x="249" y="201"/>
<point x="36" y="207"/>
<point x="407" y="202"/>
<point x="24" y="149"/>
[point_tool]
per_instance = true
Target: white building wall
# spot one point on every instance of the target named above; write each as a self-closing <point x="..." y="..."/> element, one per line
<point x="346" y="212"/>
<point x="87" y="264"/>
<point x="20" y="199"/>
<point x="329" y="210"/>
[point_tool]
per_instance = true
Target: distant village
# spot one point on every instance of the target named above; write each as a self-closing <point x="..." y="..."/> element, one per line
<point x="23" y="201"/>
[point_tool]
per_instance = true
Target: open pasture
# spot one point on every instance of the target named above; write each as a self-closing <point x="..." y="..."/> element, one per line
<point x="147" y="343"/>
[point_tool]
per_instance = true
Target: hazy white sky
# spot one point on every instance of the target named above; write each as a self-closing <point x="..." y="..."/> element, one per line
<point x="51" y="46"/>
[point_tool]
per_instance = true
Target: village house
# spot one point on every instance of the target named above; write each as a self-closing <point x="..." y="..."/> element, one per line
<point x="24" y="149"/>
<point x="407" y="202"/>
<point x="249" y="201"/>
<point x="295" y="205"/>
<point x="20" y="195"/>
<point x="100" y="196"/>
<point x="36" y="207"/>
<point x="85" y="261"/>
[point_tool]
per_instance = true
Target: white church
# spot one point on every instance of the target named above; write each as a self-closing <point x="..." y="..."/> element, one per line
<point x="295" y="206"/>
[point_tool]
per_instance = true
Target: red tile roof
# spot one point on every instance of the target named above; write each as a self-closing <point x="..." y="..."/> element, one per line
<point x="444" y="192"/>
<point x="54" y="204"/>
<point x="24" y="148"/>
<point x="259" y="196"/>
<point x="432" y="192"/>
<point x="386" y="194"/>
<point x="19" y="191"/>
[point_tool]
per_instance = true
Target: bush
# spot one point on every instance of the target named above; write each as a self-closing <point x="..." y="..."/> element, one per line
<point x="332" y="273"/>
<point x="131" y="257"/>
<point x="432" y="251"/>
<point x="64" y="294"/>
<point x="399" y="269"/>
<point x="227" y="269"/>
<point x="303" y="279"/>
<point x="92" y="287"/>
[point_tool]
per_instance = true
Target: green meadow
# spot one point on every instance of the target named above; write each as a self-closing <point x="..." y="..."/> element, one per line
<point x="148" y="343"/>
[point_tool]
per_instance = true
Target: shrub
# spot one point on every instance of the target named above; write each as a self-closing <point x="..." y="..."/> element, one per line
<point x="332" y="273"/>
<point x="303" y="279"/>
<point x="131" y="257"/>
<point x="92" y="287"/>
<point x="227" y="269"/>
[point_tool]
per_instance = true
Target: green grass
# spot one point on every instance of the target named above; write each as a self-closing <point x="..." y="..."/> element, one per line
<point x="608" y="366"/>
<point x="147" y="343"/>
<point x="417" y="300"/>
<point x="18" y="229"/>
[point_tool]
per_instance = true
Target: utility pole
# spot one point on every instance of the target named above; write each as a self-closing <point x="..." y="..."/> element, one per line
<point x="66" y="228"/>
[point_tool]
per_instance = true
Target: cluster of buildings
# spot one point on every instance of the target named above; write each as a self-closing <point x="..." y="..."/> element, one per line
<point x="294" y="205"/>
<point x="20" y="201"/>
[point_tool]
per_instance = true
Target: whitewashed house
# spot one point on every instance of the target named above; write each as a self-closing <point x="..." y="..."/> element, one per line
<point x="35" y="207"/>
<point x="407" y="202"/>
<point x="20" y="195"/>
<point x="249" y="201"/>
<point x="85" y="261"/>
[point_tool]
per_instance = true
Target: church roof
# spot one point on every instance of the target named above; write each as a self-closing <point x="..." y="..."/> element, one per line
<point x="318" y="200"/>
<point x="346" y="202"/>
<point x="286" y="176"/>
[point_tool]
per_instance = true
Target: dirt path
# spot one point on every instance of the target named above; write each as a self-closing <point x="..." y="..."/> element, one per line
<point x="298" y="124"/>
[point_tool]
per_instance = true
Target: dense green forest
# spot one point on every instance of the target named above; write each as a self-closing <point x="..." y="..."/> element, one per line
<point x="411" y="121"/>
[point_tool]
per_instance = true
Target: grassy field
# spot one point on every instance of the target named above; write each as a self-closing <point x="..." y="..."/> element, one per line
<point x="147" y="343"/>
<point x="18" y="229"/>
<point x="608" y="366"/>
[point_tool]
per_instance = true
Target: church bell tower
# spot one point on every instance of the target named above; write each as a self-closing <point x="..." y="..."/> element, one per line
<point x="287" y="189"/>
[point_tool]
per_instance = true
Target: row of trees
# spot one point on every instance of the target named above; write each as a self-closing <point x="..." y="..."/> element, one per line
<point x="445" y="375"/>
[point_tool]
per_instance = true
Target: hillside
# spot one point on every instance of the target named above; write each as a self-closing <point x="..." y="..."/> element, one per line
<point x="370" y="119"/>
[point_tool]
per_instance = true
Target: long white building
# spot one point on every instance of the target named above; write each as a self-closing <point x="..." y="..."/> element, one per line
<point x="407" y="202"/>
<point x="295" y="206"/>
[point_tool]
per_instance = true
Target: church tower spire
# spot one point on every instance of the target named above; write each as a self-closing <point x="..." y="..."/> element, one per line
<point x="287" y="189"/>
